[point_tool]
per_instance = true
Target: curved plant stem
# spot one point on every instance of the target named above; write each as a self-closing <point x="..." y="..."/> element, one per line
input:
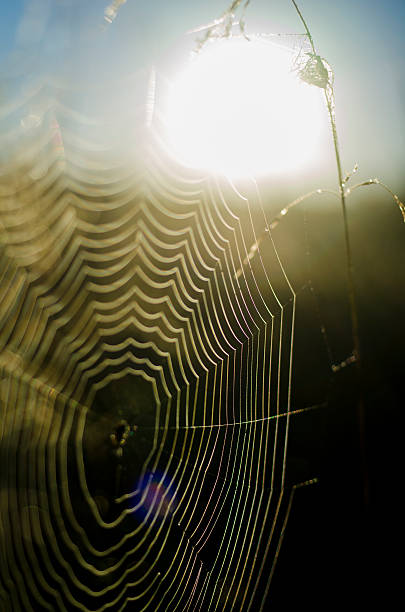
<point x="329" y="97"/>
<point x="352" y="303"/>
<point x="300" y="15"/>
<point x="349" y="259"/>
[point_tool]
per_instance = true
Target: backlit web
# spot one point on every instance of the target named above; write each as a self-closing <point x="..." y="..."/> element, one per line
<point x="162" y="348"/>
<point x="157" y="349"/>
<point x="146" y="359"/>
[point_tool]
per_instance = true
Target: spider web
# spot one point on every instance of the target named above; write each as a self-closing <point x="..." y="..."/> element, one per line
<point x="144" y="298"/>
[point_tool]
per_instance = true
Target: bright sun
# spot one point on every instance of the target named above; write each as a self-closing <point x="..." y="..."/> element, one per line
<point x="240" y="109"/>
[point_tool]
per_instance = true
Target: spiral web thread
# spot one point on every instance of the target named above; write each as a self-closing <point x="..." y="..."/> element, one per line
<point x="129" y="291"/>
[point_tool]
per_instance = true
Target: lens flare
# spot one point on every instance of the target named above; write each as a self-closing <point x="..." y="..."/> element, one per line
<point x="155" y="498"/>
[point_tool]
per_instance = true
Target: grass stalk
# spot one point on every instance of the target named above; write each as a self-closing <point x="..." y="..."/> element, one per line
<point x="329" y="97"/>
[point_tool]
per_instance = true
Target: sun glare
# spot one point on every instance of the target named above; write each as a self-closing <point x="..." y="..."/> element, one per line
<point x="239" y="109"/>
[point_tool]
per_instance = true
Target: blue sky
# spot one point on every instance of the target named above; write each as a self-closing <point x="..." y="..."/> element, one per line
<point x="362" y="40"/>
